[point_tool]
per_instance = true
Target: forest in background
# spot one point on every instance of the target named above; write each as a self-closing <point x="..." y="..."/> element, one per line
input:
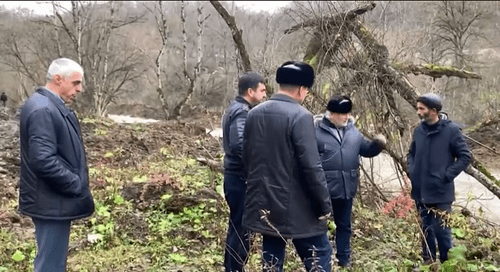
<point x="119" y="46"/>
<point x="159" y="205"/>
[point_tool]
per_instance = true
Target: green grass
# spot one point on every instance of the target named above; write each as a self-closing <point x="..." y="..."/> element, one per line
<point x="172" y="231"/>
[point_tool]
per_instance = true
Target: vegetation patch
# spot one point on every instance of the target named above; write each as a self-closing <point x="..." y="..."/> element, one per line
<point x="162" y="210"/>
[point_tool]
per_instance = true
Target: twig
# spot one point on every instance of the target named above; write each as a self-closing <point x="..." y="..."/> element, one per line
<point x="481" y="144"/>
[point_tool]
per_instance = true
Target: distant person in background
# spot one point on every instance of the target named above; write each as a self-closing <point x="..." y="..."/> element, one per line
<point x="286" y="195"/>
<point x="54" y="186"/>
<point x="340" y="144"/>
<point x="251" y="91"/>
<point x="438" y="153"/>
<point x="3" y="97"/>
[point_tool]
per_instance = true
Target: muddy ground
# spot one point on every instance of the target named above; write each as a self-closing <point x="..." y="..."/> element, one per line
<point x="184" y="137"/>
<point x="187" y="136"/>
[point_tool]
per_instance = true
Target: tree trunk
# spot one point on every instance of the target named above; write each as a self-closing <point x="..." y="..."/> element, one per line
<point x="236" y="32"/>
<point x="191" y="79"/>
<point x="161" y="23"/>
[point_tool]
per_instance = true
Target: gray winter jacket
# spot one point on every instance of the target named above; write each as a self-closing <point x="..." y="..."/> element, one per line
<point x="340" y="160"/>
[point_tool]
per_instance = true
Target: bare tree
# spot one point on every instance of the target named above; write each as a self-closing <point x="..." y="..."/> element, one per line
<point x="455" y="25"/>
<point x="108" y="70"/>
<point x="160" y="16"/>
<point x="191" y="78"/>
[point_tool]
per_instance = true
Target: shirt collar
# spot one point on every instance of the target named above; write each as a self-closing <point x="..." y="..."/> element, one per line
<point x="57" y="95"/>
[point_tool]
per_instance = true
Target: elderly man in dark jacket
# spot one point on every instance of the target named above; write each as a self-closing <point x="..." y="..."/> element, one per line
<point x="286" y="196"/>
<point x="251" y="91"/>
<point x="53" y="188"/>
<point x="438" y="153"/>
<point x="340" y="144"/>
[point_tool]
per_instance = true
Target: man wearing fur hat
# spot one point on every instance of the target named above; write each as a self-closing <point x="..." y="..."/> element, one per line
<point x="286" y="196"/>
<point x="340" y="144"/>
<point x="438" y="153"/>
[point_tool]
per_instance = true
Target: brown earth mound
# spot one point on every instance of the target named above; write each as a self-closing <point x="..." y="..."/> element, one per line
<point x="484" y="141"/>
<point x="129" y="144"/>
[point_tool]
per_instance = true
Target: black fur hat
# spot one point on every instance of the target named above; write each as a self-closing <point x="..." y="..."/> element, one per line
<point x="339" y="104"/>
<point x="295" y="73"/>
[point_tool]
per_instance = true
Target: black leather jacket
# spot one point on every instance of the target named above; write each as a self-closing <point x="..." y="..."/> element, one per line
<point x="284" y="171"/>
<point x="233" y="124"/>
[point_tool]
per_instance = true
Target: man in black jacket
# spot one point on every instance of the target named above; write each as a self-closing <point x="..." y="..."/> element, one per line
<point x="438" y="153"/>
<point x="3" y="97"/>
<point x="251" y="91"/>
<point x="286" y="196"/>
<point x="53" y="188"/>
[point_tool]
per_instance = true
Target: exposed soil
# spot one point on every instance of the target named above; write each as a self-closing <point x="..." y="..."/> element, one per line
<point x="189" y="136"/>
<point x="484" y="141"/>
<point x="185" y="137"/>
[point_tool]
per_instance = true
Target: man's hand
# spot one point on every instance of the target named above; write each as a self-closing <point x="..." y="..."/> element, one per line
<point x="325" y="217"/>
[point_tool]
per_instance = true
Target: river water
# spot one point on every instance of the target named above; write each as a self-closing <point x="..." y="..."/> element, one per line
<point x="468" y="191"/>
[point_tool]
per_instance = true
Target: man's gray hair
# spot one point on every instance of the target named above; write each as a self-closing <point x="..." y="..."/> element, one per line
<point x="64" y="67"/>
<point x="328" y="114"/>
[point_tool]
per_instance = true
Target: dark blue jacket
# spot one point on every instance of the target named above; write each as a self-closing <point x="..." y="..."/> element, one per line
<point x="54" y="175"/>
<point x="341" y="160"/>
<point x="233" y="125"/>
<point x="284" y="171"/>
<point x="437" y="155"/>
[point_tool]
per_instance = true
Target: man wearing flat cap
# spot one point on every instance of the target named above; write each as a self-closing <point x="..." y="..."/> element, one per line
<point x="438" y="153"/>
<point x="286" y="195"/>
<point x="340" y="144"/>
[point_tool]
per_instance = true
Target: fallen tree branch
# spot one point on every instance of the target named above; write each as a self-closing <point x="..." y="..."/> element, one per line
<point x="481" y="144"/>
<point x="410" y="94"/>
<point x="213" y="164"/>
<point x="436" y="71"/>
<point x="389" y="74"/>
<point x="484" y="180"/>
<point x="335" y="20"/>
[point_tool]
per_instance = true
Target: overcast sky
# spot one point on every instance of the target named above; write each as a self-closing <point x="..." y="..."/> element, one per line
<point x="45" y="7"/>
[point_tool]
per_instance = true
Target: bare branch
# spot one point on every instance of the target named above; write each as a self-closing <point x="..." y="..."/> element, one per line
<point x="437" y="71"/>
<point x="236" y="32"/>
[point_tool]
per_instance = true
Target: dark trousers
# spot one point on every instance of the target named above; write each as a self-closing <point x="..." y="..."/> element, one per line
<point x="342" y="209"/>
<point x="435" y="229"/>
<point x="313" y="250"/>
<point x="237" y="240"/>
<point x="52" y="239"/>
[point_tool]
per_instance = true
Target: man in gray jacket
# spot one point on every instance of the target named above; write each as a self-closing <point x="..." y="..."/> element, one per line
<point x="54" y="187"/>
<point x="340" y="144"/>
<point x="286" y="195"/>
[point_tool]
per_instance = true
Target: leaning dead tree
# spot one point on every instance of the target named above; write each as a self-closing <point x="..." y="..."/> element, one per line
<point x="366" y="71"/>
<point x="344" y="50"/>
<point x="236" y="33"/>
